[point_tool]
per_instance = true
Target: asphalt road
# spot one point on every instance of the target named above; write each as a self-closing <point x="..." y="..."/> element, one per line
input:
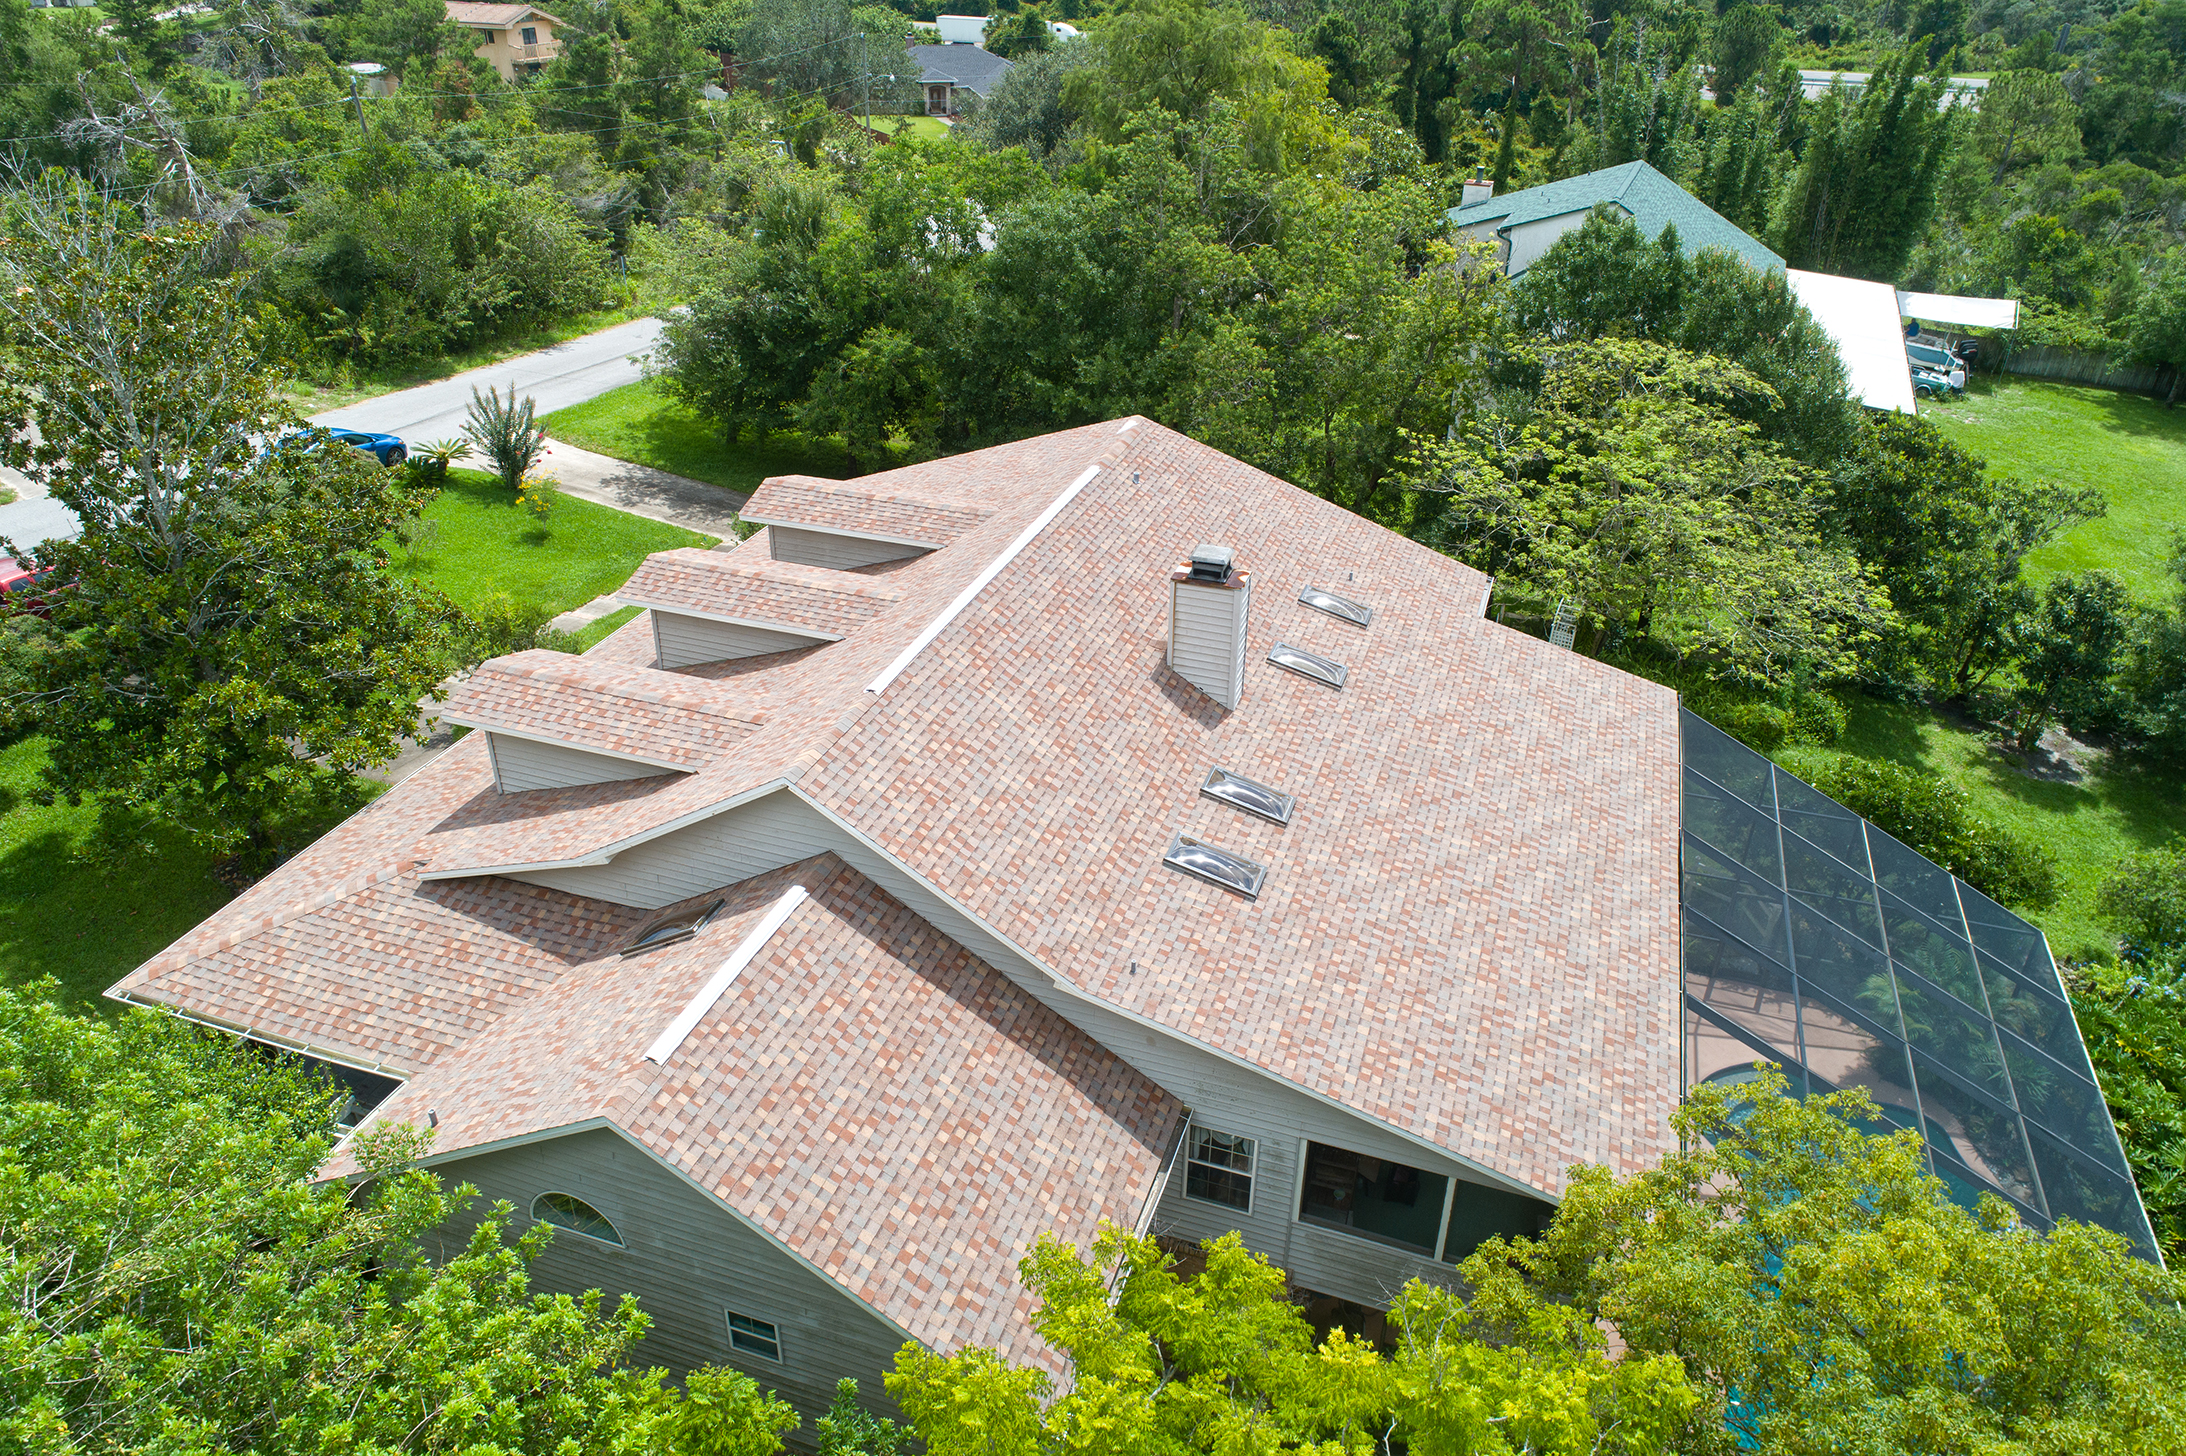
<point x="564" y="375"/>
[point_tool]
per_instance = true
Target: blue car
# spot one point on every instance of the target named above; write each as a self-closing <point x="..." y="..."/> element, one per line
<point x="386" y="449"/>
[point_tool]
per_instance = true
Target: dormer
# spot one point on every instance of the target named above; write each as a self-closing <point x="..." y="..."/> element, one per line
<point x="710" y="606"/>
<point x="554" y="721"/>
<point x="845" y="524"/>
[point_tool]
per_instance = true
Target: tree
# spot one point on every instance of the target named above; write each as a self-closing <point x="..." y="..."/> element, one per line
<point x="1866" y="184"/>
<point x="506" y="433"/>
<point x="236" y="649"/>
<point x="2154" y="680"/>
<point x="2067" y="653"/>
<point x="1822" y="1285"/>
<point x="2155" y="332"/>
<point x="1947" y="540"/>
<point x="1626" y="486"/>
<point x="187" y="1287"/>
<point x="1745" y="45"/>
<point x="2026" y="117"/>
<point x="2145" y="896"/>
<point x="1027" y="35"/>
<point x="1603" y="278"/>
<point x="1522" y="44"/>
<point x="1026" y="109"/>
<point x="1222" y="1361"/>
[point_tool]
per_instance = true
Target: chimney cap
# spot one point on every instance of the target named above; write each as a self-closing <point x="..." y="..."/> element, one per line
<point x="1212" y="563"/>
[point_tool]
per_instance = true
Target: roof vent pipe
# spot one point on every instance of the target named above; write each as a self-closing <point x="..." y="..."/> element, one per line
<point x="1208" y="602"/>
<point x="1479" y="189"/>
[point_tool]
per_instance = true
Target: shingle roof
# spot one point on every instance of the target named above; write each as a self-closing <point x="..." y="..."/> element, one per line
<point x="847" y="1092"/>
<point x="638" y="713"/>
<point x="975" y="68"/>
<point x="474" y="12"/>
<point x="858" y="507"/>
<point x="1654" y="201"/>
<point x="1468" y="930"/>
<point x="750" y="587"/>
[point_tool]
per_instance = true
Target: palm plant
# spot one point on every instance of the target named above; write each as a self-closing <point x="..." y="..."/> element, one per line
<point x="506" y="433"/>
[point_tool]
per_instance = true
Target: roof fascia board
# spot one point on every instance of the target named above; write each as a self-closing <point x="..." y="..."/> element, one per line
<point x="979" y="582"/>
<point x="356" y="1061"/>
<point x="489" y="726"/>
<point x="1069" y="991"/>
<point x="787" y="525"/>
<point x="672" y="610"/>
<point x="607" y="854"/>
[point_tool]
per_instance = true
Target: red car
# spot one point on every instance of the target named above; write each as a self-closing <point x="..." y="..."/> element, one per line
<point x="17" y="587"/>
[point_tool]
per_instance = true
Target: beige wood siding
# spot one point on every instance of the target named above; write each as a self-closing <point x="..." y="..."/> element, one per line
<point x="524" y="763"/>
<point x="689" y="1260"/>
<point x="681" y="641"/>
<point x="837" y="553"/>
<point x="781" y="829"/>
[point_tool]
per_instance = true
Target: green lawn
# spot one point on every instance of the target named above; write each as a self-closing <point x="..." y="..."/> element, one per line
<point x="918" y="126"/>
<point x="2123" y="805"/>
<point x="2129" y="447"/>
<point x="489" y="545"/>
<point x="639" y="423"/>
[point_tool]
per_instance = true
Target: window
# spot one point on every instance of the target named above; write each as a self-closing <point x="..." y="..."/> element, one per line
<point x="566" y="1211"/>
<point x="530" y="35"/>
<point x="754" y="1337"/>
<point x="1479" y="1213"/>
<point x="1382" y="1200"/>
<point x="1357" y="613"/>
<point x="1218" y="1168"/>
<point x="1309" y="664"/>
<point x="486" y="36"/>
<point x="1239" y="792"/>
<point x="1216" y="866"/>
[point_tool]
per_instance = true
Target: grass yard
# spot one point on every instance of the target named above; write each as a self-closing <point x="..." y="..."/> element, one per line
<point x="918" y="126"/>
<point x="61" y="918"/>
<point x="489" y="545"/>
<point x="641" y="424"/>
<point x="2121" y="806"/>
<point x="2129" y="447"/>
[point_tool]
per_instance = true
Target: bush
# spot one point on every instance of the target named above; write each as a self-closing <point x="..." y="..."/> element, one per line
<point x="1813" y="720"/>
<point x="23" y="640"/>
<point x="1938" y="819"/>
<point x="502" y="625"/>
<point x="2145" y="897"/>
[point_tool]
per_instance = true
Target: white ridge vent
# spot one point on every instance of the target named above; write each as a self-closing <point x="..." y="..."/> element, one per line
<point x="1209" y="600"/>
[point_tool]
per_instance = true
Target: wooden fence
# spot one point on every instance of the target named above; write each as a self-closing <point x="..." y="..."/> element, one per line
<point x="2081" y="366"/>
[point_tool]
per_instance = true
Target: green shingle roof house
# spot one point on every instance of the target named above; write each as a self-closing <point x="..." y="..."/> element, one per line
<point x="1524" y="224"/>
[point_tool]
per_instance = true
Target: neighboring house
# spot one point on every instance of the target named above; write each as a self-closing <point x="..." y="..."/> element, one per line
<point x="1524" y="224"/>
<point x="372" y="78"/>
<point x="974" y="853"/>
<point x="1957" y="91"/>
<point x="949" y="73"/>
<point x="972" y="29"/>
<point x="513" y="39"/>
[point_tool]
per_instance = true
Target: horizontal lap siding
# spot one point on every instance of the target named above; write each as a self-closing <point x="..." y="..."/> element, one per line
<point x="521" y="763"/>
<point x="781" y="829"/>
<point x="681" y="641"/>
<point x="689" y="1261"/>
<point x="837" y="553"/>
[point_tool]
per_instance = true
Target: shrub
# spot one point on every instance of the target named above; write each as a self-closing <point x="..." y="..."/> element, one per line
<point x="1763" y="725"/>
<point x="502" y="625"/>
<point x="506" y="433"/>
<point x="2145" y="897"/>
<point x="1938" y="819"/>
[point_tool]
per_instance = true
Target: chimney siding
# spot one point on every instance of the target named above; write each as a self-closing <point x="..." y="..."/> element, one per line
<point x="1207" y="634"/>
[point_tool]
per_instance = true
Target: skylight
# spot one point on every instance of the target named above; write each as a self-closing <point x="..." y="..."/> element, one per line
<point x="1358" y="613"/>
<point x="672" y="931"/>
<point x="1216" y="866"/>
<point x="1239" y="792"/>
<point x="1309" y="664"/>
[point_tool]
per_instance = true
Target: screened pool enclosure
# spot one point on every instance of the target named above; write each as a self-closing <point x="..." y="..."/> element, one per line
<point x="1815" y="940"/>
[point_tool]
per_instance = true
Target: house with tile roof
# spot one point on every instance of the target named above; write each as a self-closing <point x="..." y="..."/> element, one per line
<point x="1096" y="828"/>
<point x="1522" y="225"/>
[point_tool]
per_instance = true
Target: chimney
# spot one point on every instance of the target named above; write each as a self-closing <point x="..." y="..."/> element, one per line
<point x="1479" y="189"/>
<point x="1208" y="598"/>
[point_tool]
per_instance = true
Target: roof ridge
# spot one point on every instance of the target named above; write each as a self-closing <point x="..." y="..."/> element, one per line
<point x="857" y="487"/>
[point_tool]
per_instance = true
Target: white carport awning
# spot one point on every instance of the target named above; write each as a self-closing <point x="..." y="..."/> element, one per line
<point x="1863" y="319"/>
<point x="1955" y="308"/>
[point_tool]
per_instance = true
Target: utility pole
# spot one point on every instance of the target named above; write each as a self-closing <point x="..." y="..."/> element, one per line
<point x="865" y="78"/>
<point x="358" y="102"/>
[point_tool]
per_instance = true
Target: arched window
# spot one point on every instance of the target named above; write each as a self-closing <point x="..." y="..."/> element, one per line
<point x="564" y="1210"/>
